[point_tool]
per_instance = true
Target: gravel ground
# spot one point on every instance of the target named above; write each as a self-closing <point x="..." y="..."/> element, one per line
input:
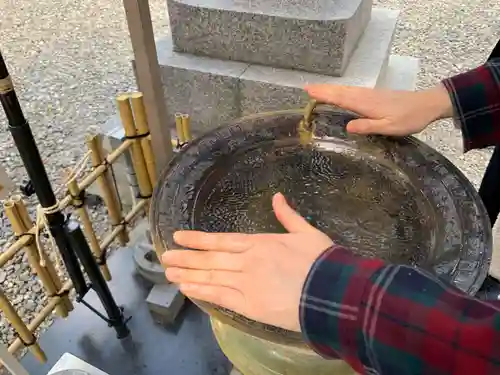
<point x="70" y="58"/>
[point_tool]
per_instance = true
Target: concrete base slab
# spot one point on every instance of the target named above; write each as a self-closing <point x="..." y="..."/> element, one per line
<point x="164" y="303"/>
<point x="188" y="348"/>
<point x="401" y="73"/>
<point x="206" y="89"/>
<point x="214" y="91"/>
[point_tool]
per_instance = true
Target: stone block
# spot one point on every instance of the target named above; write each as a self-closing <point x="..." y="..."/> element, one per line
<point x="206" y="89"/>
<point x="310" y="35"/>
<point x="401" y="74"/>
<point x="268" y="89"/>
<point x="165" y="302"/>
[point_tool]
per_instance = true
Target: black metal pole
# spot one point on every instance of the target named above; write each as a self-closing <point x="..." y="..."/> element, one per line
<point x="25" y="143"/>
<point x="82" y="249"/>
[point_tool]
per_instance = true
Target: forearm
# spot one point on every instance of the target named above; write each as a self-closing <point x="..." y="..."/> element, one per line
<point x="396" y="319"/>
<point x="475" y="96"/>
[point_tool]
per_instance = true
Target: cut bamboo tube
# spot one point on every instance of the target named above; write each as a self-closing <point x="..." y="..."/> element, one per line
<point x="127" y="118"/>
<point x="14" y="212"/>
<point x="88" y="230"/>
<point x="108" y="192"/>
<point x="49" y="265"/>
<point x="179" y="128"/>
<point x="142" y="126"/>
<point x="22" y="330"/>
<point x="42" y="315"/>
<point x="186" y="127"/>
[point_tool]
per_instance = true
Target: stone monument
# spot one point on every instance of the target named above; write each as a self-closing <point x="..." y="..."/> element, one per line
<point x="229" y="58"/>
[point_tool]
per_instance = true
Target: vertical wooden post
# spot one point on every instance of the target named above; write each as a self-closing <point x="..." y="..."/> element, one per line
<point x="148" y="75"/>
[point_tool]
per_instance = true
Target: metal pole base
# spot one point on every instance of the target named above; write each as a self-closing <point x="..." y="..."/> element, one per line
<point x="115" y="317"/>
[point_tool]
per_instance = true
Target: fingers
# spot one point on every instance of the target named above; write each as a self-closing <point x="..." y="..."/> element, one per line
<point x="200" y="260"/>
<point x="206" y="277"/>
<point x="346" y="97"/>
<point x="288" y="217"/>
<point x="364" y="126"/>
<point x="218" y="295"/>
<point x="226" y="242"/>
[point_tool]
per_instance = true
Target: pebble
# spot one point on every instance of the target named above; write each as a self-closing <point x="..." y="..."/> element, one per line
<point x="69" y="60"/>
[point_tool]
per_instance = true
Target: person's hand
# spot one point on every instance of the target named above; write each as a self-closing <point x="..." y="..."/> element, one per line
<point x="257" y="275"/>
<point x="386" y="112"/>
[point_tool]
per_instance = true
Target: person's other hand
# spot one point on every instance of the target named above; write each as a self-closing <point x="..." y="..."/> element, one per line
<point x="257" y="275"/>
<point x="386" y="112"/>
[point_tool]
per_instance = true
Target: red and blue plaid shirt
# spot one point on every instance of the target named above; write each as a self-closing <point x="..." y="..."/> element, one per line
<point x="391" y="319"/>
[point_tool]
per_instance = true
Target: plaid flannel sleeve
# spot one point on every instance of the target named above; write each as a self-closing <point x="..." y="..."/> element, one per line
<point x="396" y="320"/>
<point x="476" y="102"/>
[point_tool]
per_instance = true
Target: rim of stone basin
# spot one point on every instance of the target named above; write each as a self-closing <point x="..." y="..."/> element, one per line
<point x="461" y="232"/>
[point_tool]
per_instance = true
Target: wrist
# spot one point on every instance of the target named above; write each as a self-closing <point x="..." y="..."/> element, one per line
<point x="437" y="103"/>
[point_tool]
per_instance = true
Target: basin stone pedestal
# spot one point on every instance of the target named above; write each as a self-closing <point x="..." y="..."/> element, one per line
<point x="165" y="300"/>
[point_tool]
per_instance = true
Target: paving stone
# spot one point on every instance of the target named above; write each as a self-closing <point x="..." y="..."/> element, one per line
<point x="312" y="35"/>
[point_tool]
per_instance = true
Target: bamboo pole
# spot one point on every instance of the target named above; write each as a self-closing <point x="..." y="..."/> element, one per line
<point x="109" y="194"/>
<point x="88" y="230"/>
<point x="23" y="331"/>
<point x="42" y="315"/>
<point x="127" y="118"/>
<point x="16" y="213"/>
<point x="179" y="128"/>
<point x="93" y="176"/>
<point x="142" y="126"/>
<point x="129" y="217"/>
<point x="186" y="128"/>
<point x="24" y="240"/>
